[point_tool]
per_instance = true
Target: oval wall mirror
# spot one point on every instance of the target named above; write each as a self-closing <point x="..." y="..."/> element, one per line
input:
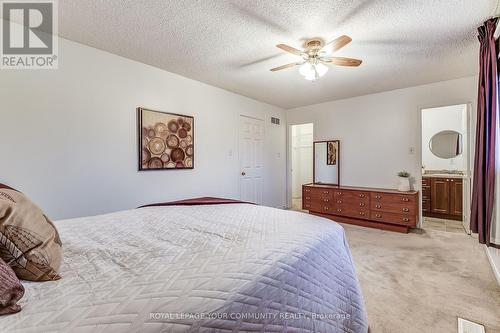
<point x="446" y="144"/>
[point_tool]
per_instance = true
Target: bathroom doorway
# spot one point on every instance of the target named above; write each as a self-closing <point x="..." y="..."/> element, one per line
<point x="446" y="168"/>
<point x="301" y="139"/>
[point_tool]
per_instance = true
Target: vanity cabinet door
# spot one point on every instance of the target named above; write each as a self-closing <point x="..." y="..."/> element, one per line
<point x="440" y="195"/>
<point x="456" y="197"/>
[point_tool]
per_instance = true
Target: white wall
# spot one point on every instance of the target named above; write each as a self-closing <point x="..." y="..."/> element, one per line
<point x="68" y="136"/>
<point x="435" y="120"/>
<point x="302" y="154"/>
<point x="377" y="131"/>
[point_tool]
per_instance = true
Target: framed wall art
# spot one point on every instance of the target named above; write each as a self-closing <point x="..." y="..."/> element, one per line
<point x="166" y="140"/>
<point x="331" y="153"/>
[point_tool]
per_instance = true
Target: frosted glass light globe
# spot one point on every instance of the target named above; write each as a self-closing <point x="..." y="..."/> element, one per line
<point x="307" y="70"/>
<point x="321" y="69"/>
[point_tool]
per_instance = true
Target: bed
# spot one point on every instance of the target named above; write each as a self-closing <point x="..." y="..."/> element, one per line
<point x="231" y="267"/>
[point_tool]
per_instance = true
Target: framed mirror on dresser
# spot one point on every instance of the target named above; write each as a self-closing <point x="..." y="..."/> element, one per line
<point x="326" y="162"/>
<point x="387" y="209"/>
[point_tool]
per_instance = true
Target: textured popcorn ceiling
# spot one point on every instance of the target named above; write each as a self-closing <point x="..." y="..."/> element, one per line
<point x="231" y="44"/>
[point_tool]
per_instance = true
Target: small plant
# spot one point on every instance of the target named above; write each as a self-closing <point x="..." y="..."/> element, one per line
<point x="404" y="174"/>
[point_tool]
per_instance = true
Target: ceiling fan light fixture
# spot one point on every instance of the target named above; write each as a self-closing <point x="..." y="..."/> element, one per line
<point x="321" y="69"/>
<point x="315" y="57"/>
<point x="313" y="72"/>
<point x="306" y="69"/>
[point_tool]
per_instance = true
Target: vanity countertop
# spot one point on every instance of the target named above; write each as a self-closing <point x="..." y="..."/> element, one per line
<point x="443" y="175"/>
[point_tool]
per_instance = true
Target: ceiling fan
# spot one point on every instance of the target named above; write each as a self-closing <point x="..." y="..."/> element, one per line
<point x="315" y="58"/>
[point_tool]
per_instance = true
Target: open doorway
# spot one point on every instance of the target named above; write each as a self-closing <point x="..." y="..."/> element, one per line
<point x="301" y="161"/>
<point x="446" y="168"/>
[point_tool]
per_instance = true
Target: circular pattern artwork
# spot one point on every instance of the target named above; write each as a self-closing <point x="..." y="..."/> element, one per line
<point x="172" y="141"/>
<point x="156" y="146"/>
<point x="155" y="163"/>
<point x="189" y="150"/>
<point x="183" y="133"/>
<point x="146" y="155"/>
<point x="166" y="140"/>
<point x="161" y="130"/>
<point x="165" y="158"/>
<point x="177" y="155"/>
<point x="173" y="126"/>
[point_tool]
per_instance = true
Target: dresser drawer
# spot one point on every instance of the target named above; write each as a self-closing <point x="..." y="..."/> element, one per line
<point x="351" y="195"/>
<point x="317" y="200"/>
<point x="317" y="192"/>
<point x="404" y="219"/>
<point x="320" y="208"/>
<point x="351" y="204"/>
<point x="359" y="213"/>
<point x="393" y="198"/>
<point x="393" y="207"/>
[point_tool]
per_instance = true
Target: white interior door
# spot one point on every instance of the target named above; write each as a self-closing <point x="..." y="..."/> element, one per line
<point x="251" y="149"/>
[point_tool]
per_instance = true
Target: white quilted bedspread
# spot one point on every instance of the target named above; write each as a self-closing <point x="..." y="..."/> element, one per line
<point x="212" y="268"/>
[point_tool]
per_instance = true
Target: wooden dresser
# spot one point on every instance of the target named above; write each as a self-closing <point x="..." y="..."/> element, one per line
<point x="370" y="207"/>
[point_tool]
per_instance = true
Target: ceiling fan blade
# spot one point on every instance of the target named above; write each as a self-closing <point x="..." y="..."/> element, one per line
<point x="290" y="49"/>
<point x="285" y="66"/>
<point x="341" y="61"/>
<point x="339" y="43"/>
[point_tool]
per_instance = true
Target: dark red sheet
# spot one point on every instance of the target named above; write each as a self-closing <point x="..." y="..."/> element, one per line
<point x="197" y="201"/>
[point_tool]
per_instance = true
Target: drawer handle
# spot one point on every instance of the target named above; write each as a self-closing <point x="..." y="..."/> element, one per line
<point x="307" y="205"/>
<point x="339" y="193"/>
<point x="378" y="197"/>
<point x="325" y="192"/>
<point x="406" y="210"/>
<point x="339" y="201"/>
<point x="378" y="206"/>
<point x="452" y="180"/>
<point x="361" y="204"/>
<point x="378" y="215"/>
<point x="326" y="200"/>
<point x="307" y="190"/>
<point x="406" y="199"/>
<point x="325" y="208"/>
<point x="308" y="198"/>
<point x="361" y="213"/>
<point x="339" y="210"/>
<point x="406" y="219"/>
<point x="361" y="195"/>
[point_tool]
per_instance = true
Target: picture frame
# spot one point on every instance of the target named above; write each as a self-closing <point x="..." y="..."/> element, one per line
<point x="331" y="152"/>
<point x="165" y="140"/>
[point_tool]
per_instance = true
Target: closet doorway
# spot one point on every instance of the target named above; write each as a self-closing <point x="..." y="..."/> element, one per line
<point x="446" y="166"/>
<point x="301" y="139"/>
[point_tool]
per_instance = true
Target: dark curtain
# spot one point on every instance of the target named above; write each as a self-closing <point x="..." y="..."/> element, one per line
<point x="484" y="159"/>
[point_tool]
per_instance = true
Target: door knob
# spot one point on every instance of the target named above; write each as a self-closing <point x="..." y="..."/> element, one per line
<point x="243" y="173"/>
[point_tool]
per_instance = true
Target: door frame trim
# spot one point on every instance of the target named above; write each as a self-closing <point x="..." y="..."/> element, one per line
<point x="289" y="184"/>
<point x="467" y="183"/>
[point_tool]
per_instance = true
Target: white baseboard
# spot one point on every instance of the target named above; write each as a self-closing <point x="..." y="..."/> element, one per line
<point x="494" y="258"/>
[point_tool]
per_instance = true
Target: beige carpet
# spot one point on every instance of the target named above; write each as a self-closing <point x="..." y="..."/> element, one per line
<point x="422" y="282"/>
